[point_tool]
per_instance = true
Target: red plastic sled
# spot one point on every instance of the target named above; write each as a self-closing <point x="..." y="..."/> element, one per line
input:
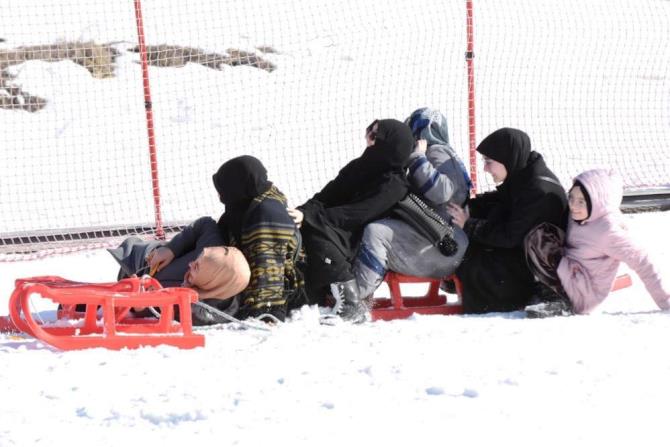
<point x="433" y="302"/>
<point x="105" y="321"/>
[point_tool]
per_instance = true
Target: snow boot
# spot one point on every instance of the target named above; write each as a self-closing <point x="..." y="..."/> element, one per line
<point x="213" y="311"/>
<point x="546" y="302"/>
<point x="448" y="286"/>
<point x="549" y="309"/>
<point x="349" y="303"/>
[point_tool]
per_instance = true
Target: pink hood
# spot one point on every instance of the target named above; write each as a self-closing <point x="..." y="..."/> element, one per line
<point x="605" y="190"/>
<point x="596" y="247"/>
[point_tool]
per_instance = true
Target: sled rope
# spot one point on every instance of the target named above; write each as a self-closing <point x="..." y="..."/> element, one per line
<point x="215" y="311"/>
<point x="232" y="319"/>
<point x="34" y="311"/>
<point x="225" y="316"/>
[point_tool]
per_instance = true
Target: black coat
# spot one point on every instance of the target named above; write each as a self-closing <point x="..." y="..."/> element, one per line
<point x="340" y="216"/>
<point x="494" y="273"/>
<point x="364" y="190"/>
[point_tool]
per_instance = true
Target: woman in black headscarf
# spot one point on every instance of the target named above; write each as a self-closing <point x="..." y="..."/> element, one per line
<point x="494" y="273"/>
<point x="333" y="220"/>
<point x="256" y="221"/>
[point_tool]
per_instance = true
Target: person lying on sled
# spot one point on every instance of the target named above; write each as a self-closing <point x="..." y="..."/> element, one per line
<point x="195" y="258"/>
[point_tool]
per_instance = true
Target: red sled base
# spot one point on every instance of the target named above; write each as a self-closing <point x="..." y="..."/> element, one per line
<point x="106" y="321"/>
<point x="434" y="302"/>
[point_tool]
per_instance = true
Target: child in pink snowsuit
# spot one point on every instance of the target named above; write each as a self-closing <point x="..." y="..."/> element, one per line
<point x="597" y="241"/>
<point x="596" y="245"/>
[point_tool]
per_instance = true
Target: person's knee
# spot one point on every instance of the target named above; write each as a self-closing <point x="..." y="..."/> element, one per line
<point x="376" y="233"/>
<point x="372" y="255"/>
<point x="205" y="221"/>
<point x="210" y="236"/>
<point x="375" y="243"/>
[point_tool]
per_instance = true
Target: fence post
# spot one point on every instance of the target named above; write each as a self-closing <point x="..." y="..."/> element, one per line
<point x="469" y="57"/>
<point x="160" y="234"/>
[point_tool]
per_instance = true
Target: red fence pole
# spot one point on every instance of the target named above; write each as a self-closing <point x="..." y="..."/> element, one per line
<point x="469" y="56"/>
<point x="150" y="120"/>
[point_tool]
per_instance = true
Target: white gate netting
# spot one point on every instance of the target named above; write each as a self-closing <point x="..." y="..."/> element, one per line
<point x="295" y="83"/>
<point x="588" y="80"/>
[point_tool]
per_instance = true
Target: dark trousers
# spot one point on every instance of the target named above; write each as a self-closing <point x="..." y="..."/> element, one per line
<point x="494" y="279"/>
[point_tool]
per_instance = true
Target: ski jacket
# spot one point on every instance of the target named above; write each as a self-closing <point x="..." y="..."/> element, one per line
<point x="438" y="175"/>
<point x="596" y="247"/>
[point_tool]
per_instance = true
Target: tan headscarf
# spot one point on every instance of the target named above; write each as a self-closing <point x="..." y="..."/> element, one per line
<point x="222" y="272"/>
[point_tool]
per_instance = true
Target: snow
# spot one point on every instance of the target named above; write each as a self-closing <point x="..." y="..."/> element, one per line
<point x="463" y="380"/>
<point x="470" y="380"/>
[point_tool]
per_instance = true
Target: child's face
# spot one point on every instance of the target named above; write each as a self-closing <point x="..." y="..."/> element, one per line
<point x="577" y="203"/>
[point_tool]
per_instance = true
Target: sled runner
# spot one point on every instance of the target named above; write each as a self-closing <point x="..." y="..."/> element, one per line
<point x="105" y="320"/>
<point x="399" y="306"/>
<point x="433" y="303"/>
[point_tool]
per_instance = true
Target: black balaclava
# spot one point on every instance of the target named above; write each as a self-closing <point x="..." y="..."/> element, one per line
<point x="238" y="181"/>
<point x="508" y="146"/>
<point x="393" y="145"/>
<point x="587" y="198"/>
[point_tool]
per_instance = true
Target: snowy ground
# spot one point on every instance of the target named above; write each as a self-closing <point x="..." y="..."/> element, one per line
<point x="431" y="380"/>
<point x="587" y="80"/>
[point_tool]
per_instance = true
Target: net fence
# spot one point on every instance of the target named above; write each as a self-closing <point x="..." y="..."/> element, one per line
<point x="295" y="83"/>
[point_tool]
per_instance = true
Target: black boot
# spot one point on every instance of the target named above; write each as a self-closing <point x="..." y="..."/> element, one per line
<point x="546" y="302"/>
<point x="208" y="311"/>
<point x="349" y="305"/>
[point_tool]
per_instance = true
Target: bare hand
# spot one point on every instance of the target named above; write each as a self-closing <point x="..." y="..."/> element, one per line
<point x="296" y="215"/>
<point x="459" y="215"/>
<point x="158" y="258"/>
<point x="421" y="146"/>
